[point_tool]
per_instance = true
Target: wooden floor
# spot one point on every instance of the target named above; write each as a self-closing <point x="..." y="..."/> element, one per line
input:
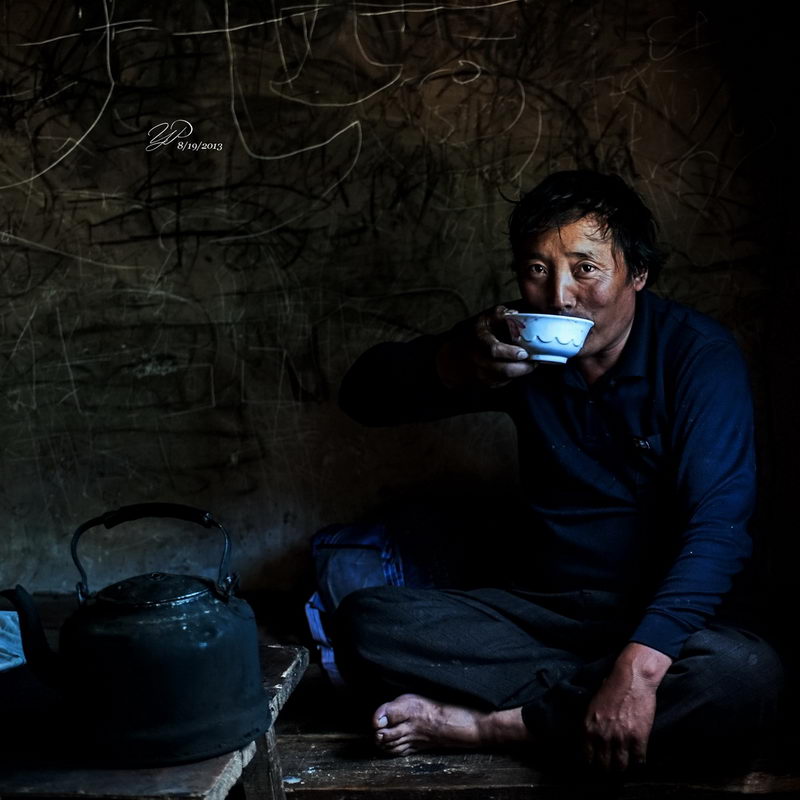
<point x="327" y="756"/>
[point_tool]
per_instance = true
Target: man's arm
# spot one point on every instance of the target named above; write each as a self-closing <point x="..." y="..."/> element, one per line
<point x="620" y="717"/>
<point x="711" y="445"/>
<point x="434" y="376"/>
<point x="712" y="450"/>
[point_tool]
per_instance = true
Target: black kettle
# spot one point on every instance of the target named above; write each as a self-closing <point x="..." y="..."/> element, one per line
<point x="156" y="669"/>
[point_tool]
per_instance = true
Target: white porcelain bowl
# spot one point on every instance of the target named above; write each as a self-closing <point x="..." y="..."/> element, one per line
<point x="549" y="337"/>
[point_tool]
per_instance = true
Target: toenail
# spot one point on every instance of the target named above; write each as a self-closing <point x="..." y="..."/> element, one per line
<point x="383" y="721"/>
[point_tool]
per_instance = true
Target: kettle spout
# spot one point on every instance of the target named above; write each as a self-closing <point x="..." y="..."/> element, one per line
<point x="41" y="659"/>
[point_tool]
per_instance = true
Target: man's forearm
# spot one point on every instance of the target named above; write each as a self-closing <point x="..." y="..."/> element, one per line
<point x="452" y="367"/>
<point x="620" y="716"/>
<point x="394" y="383"/>
<point x="643" y="663"/>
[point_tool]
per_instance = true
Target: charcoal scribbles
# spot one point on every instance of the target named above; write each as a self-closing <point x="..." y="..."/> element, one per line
<point x="175" y="319"/>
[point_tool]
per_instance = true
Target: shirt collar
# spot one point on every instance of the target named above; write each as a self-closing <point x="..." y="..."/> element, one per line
<point x="633" y="359"/>
<point x="632" y="362"/>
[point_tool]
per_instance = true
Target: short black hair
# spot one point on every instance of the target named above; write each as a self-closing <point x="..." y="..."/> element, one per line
<point x="565" y="197"/>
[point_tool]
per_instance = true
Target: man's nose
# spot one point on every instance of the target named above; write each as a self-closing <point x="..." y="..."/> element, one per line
<point x="561" y="292"/>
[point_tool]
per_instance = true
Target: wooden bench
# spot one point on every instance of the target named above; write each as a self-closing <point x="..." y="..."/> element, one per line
<point x="327" y="753"/>
<point x="253" y="772"/>
<point x="348" y="767"/>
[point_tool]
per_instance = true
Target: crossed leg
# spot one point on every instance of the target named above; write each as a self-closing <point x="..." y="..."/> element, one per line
<point x="490" y="667"/>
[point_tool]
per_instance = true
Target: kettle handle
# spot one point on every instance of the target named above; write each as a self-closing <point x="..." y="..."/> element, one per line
<point x="225" y="581"/>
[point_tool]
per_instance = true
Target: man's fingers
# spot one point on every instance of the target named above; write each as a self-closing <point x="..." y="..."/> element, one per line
<point x="615" y="754"/>
<point x="620" y="757"/>
<point x="612" y="750"/>
<point x="507" y="352"/>
<point x="638" y="752"/>
<point x="498" y="363"/>
<point x="513" y="366"/>
<point x="611" y="755"/>
<point x="599" y="754"/>
<point x="493" y="349"/>
<point x="499" y="375"/>
<point x="501" y="324"/>
<point x="485" y="351"/>
<point x="506" y="359"/>
<point x="588" y="752"/>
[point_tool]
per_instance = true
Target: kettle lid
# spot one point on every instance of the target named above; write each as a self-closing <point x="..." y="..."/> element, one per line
<point x="154" y="588"/>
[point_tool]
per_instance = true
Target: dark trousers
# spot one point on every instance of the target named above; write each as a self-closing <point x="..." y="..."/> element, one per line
<point x="492" y="649"/>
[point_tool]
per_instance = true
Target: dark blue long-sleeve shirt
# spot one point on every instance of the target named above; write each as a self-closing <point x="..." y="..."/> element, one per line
<point x="641" y="483"/>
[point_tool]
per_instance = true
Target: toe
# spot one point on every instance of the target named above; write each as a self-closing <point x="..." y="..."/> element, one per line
<point x="390" y="735"/>
<point x="380" y="719"/>
<point x="404" y="749"/>
<point x="401" y="742"/>
<point x="390" y="714"/>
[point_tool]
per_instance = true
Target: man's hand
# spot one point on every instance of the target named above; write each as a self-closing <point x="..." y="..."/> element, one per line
<point x="477" y="353"/>
<point x="620" y="717"/>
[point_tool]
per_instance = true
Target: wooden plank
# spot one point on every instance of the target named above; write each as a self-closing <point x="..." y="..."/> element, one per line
<point x="205" y="780"/>
<point x="337" y="767"/>
<point x="282" y="667"/>
<point x="263" y="778"/>
<point x="343" y="766"/>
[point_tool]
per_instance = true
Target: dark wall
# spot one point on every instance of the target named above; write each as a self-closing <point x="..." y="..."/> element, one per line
<point x="176" y="321"/>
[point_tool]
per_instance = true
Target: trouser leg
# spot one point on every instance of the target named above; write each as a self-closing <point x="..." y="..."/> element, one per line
<point x="493" y="649"/>
<point x="719" y="695"/>
<point x="723" y="691"/>
<point x="484" y="648"/>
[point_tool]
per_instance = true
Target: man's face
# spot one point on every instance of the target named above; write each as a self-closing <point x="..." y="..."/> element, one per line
<point x="574" y="271"/>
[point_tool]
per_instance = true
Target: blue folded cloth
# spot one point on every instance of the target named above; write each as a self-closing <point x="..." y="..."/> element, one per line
<point x="11" y="654"/>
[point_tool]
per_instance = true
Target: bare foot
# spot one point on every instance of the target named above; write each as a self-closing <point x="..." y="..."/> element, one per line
<point x="413" y="724"/>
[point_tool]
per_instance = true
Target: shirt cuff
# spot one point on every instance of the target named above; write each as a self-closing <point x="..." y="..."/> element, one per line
<point x="662" y="632"/>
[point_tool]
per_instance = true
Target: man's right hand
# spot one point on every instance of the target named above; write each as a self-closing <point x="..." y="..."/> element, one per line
<point x="476" y="353"/>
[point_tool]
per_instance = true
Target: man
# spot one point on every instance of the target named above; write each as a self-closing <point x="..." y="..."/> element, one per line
<point x="637" y="469"/>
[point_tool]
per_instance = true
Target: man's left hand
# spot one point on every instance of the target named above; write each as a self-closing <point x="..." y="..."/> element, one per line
<point x="620" y="716"/>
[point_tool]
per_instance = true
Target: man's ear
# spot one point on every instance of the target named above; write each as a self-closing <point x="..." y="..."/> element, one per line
<point x="640" y="280"/>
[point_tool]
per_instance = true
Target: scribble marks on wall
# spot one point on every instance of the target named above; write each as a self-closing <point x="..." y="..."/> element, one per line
<point x="210" y="209"/>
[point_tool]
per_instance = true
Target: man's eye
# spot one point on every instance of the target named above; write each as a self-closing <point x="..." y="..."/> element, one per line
<point x="536" y="269"/>
<point x="586" y="267"/>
